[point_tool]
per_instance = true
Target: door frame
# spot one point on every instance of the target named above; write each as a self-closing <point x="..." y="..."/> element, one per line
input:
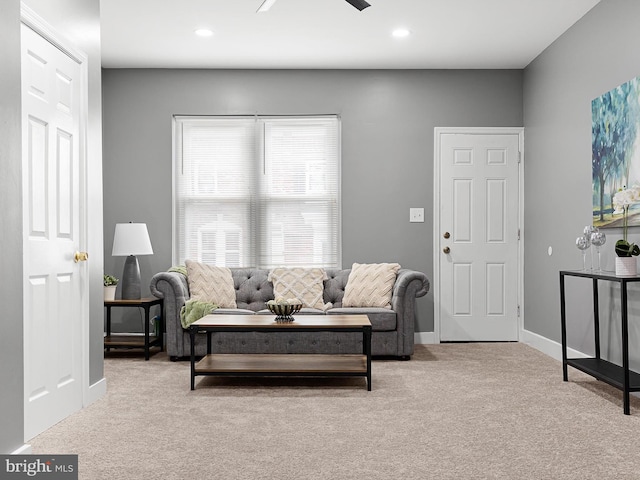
<point x="437" y="134"/>
<point x="32" y="20"/>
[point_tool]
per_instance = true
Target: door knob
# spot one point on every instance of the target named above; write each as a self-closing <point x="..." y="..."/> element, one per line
<point x="446" y="250"/>
<point x="80" y="257"/>
<point x="446" y="235"/>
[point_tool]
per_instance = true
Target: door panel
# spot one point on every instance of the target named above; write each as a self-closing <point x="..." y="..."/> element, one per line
<point x="478" y="264"/>
<point x="54" y="299"/>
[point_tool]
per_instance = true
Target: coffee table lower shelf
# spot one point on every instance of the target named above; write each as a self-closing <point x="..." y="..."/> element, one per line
<point x="299" y="365"/>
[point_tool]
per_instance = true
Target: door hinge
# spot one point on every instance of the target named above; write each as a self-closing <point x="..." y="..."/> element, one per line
<point x="518" y="311"/>
<point x="518" y="234"/>
<point x="519" y="157"/>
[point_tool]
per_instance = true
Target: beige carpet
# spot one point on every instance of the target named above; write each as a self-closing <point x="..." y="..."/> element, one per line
<point x="455" y="411"/>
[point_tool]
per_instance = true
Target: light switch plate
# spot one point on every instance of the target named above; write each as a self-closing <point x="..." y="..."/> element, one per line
<point x="416" y="215"/>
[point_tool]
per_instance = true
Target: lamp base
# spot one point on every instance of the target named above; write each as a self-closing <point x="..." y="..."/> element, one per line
<point x="131" y="279"/>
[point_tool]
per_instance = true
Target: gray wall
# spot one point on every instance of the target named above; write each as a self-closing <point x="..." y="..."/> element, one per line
<point x="599" y="53"/>
<point x="11" y="361"/>
<point x="78" y="20"/>
<point x="387" y="147"/>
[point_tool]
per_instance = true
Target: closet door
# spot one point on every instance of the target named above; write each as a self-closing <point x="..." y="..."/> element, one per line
<point x="55" y="283"/>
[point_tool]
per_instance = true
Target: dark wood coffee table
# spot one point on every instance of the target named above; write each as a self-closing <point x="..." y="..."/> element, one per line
<point x="302" y="365"/>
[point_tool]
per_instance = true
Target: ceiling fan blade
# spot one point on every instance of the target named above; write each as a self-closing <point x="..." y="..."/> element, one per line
<point x="266" y="5"/>
<point x="359" y="4"/>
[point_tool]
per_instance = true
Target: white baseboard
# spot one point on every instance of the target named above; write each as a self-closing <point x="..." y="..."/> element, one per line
<point x="543" y="344"/>
<point x="96" y="391"/>
<point x="23" y="450"/>
<point x="553" y="349"/>
<point x="424" y="338"/>
<point x="547" y="346"/>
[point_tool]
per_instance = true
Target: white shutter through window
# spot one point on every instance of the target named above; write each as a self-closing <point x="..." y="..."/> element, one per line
<point x="257" y="191"/>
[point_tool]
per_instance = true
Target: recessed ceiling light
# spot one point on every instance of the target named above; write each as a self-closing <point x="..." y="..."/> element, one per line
<point x="401" y="33"/>
<point x="203" y="32"/>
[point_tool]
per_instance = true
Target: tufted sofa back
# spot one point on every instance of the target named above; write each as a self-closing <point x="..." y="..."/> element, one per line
<point x="334" y="286"/>
<point x="253" y="289"/>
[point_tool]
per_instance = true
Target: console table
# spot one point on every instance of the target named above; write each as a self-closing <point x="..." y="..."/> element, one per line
<point x="617" y="376"/>
<point x="135" y="341"/>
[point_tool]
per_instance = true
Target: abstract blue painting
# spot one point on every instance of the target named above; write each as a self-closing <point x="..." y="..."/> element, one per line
<point x="615" y="124"/>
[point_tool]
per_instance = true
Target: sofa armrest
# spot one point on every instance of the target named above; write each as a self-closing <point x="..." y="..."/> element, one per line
<point x="174" y="289"/>
<point x="409" y="286"/>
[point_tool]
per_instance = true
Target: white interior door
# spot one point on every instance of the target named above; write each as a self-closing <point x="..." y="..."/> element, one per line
<point x="477" y="236"/>
<point x="55" y="286"/>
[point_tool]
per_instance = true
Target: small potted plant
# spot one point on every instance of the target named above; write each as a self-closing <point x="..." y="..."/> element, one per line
<point x="110" y="284"/>
<point x="625" y="250"/>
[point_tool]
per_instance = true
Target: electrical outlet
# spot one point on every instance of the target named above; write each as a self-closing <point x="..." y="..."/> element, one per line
<point x="416" y="215"/>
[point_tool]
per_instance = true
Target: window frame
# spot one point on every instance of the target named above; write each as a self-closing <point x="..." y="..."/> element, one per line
<point x="258" y="163"/>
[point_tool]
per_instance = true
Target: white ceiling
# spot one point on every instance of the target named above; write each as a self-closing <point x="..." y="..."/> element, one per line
<point x="332" y="33"/>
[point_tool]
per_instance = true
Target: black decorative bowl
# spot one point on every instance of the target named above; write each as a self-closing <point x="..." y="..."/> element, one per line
<point x="283" y="311"/>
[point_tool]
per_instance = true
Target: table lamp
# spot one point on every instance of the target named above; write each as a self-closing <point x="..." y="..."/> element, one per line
<point x="129" y="240"/>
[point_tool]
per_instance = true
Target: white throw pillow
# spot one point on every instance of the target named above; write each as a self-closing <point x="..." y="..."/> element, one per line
<point x="304" y="284"/>
<point x="370" y="285"/>
<point x="211" y="284"/>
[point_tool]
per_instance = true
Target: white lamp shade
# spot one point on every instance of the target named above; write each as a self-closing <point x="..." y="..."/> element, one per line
<point x="131" y="239"/>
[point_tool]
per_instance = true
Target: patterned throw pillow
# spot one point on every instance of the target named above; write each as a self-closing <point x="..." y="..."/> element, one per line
<point x="370" y="285"/>
<point x="211" y="284"/>
<point x="304" y="284"/>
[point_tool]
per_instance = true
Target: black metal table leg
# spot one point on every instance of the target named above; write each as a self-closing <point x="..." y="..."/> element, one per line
<point x="596" y="317"/>
<point x="367" y="351"/>
<point x="146" y="332"/>
<point x="192" y="335"/>
<point x="625" y="346"/>
<point x="563" y="328"/>
<point x="161" y="327"/>
<point x="108" y="307"/>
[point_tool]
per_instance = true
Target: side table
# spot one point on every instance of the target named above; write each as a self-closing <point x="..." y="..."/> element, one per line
<point x="615" y="375"/>
<point x="135" y="341"/>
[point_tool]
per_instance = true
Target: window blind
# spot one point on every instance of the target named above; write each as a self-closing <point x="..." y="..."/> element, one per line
<point x="257" y="191"/>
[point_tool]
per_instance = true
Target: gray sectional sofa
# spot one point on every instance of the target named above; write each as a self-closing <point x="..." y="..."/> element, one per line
<point x="393" y="329"/>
